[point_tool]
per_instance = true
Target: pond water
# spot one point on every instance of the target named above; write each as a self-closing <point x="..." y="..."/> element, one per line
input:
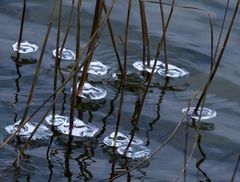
<point x="188" y="45"/>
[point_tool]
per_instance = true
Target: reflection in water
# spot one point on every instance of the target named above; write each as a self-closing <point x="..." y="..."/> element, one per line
<point x="17" y="80"/>
<point x="83" y="163"/>
<point x="50" y="165"/>
<point x="67" y="171"/>
<point x="200" y="161"/>
<point x="104" y="120"/>
<point x="63" y="91"/>
<point x="157" y="118"/>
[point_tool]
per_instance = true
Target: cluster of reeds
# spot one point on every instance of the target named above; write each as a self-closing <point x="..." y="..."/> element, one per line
<point x="84" y="57"/>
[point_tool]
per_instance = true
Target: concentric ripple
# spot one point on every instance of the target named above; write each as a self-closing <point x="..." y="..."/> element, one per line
<point x="80" y="129"/>
<point x="67" y="54"/>
<point x="25" y="47"/>
<point x="206" y="113"/>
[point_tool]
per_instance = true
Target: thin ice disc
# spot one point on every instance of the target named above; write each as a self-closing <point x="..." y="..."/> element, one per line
<point x="121" y="139"/>
<point x="135" y="141"/>
<point x="134" y="151"/>
<point x="80" y="129"/>
<point x="97" y="68"/>
<point x="140" y="67"/>
<point x="58" y="120"/>
<point x="173" y="71"/>
<point x="25" y="47"/>
<point x="206" y="113"/>
<point x="67" y="54"/>
<point x="27" y="129"/>
<point x="92" y="93"/>
<point x="42" y="132"/>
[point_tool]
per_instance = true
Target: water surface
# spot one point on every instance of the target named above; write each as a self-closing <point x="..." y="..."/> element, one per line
<point x="188" y="43"/>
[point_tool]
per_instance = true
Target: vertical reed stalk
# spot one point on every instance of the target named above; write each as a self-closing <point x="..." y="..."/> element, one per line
<point x="164" y="38"/>
<point x="221" y="31"/>
<point x="21" y="28"/>
<point x="235" y="169"/>
<point x="95" y="27"/>
<point x="124" y="76"/>
<point x="113" y="39"/>
<point x="37" y="71"/>
<point x="69" y="25"/>
<point x="212" y="40"/>
<point x="145" y="36"/>
<point x="74" y="83"/>
<point x="217" y="62"/>
<point x="141" y="102"/>
<point x="94" y="37"/>
<point x="57" y="58"/>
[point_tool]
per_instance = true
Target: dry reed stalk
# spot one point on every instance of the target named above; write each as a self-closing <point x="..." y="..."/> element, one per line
<point x="164" y="38"/>
<point x="37" y="71"/>
<point x="21" y="28"/>
<point x="235" y="169"/>
<point x="71" y="74"/>
<point x="74" y="83"/>
<point x="218" y="60"/>
<point x="141" y="102"/>
<point x="57" y="58"/>
<point x="145" y="35"/>
<point x="124" y="76"/>
<point x="113" y="39"/>
<point x="92" y="45"/>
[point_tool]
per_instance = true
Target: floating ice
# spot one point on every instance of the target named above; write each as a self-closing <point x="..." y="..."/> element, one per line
<point x="140" y="67"/>
<point x="121" y="139"/>
<point x="67" y="54"/>
<point x="93" y="93"/>
<point x="42" y="132"/>
<point x="135" y="141"/>
<point x="97" y="68"/>
<point x="58" y="120"/>
<point x="134" y="151"/>
<point x="206" y="113"/>
<point x="80" y="129"/>
<point x="27" y="129"/>
<point x="25" y="47"/>
<point x="173" y="71"/>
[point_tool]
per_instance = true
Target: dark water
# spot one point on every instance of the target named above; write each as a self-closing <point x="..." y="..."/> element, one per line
<point x="188" y="42"/>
